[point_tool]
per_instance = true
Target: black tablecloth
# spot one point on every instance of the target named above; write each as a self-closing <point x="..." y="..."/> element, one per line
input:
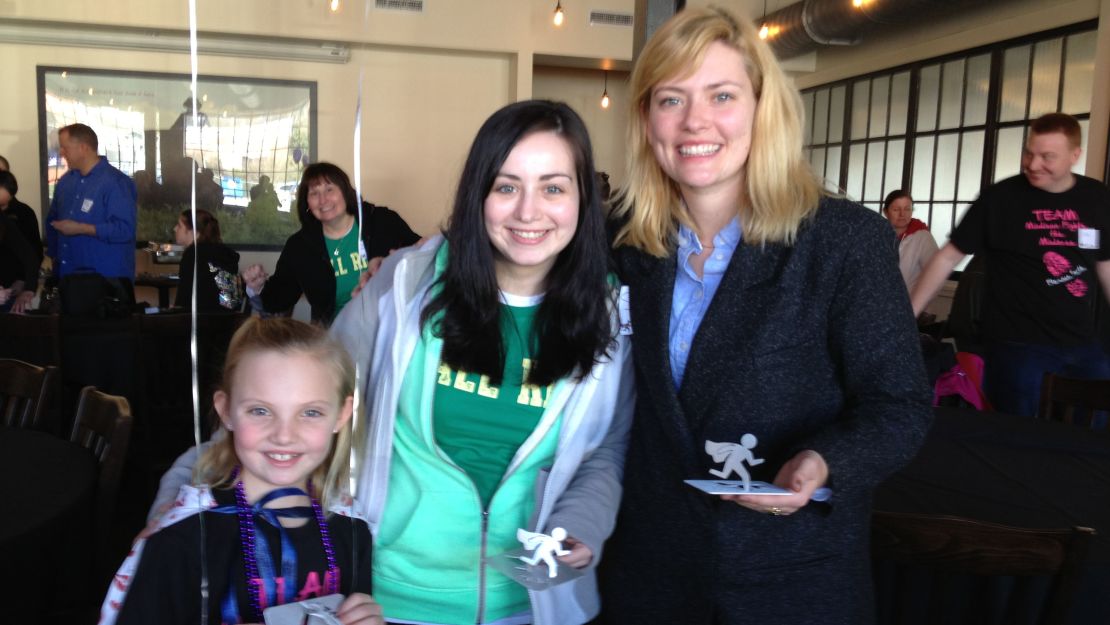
<point x="1011" y="470"/>
<point x="1016" y="471"/>
<point x="47" y="486"/>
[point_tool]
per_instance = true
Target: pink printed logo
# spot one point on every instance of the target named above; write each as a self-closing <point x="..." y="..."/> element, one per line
<point x="1056" y="264"/>
<point x="1077" y="287"/>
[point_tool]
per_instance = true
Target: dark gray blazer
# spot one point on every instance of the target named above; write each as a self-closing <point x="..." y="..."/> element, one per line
<point x="811" y="346"/>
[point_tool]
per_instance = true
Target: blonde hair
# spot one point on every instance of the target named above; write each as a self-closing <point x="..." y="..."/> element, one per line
<point x="287" y="336"/>
<point x="780" y="190"/>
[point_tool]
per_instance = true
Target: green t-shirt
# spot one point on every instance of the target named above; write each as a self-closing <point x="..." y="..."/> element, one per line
<point x="481" y="426"/>
<point x="347" y="263"/>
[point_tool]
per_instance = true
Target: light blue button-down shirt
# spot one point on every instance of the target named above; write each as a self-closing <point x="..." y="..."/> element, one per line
<point x="693" y="294"/>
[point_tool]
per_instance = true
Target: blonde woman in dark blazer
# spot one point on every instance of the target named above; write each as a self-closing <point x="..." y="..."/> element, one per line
<point x="758" y="306"/>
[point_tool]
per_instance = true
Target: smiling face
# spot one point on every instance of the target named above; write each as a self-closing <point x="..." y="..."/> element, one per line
<point x="326" y="203"/>
<point x="282" y="411"/>
<point x="531" y="212"/>
<point x="1047" y="160"/>
<point x="700" y="126"/>
<point x="899" y="213"/>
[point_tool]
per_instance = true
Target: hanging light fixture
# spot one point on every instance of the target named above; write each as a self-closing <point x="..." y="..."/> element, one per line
<point x="764" y="31"/>
<point x="334" y="6"/>
<point x="605" y="93"/>
<point x="558" y="18"/>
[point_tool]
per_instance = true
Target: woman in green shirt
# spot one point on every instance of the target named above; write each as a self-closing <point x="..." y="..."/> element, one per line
<point x="324" y="259"/>
<point x="498" y="385"/>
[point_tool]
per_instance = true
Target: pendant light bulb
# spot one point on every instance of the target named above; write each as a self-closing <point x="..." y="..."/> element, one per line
<point x="558" y="19"/>
<point x="605" y="93"/>
<point x="763" y="31"/>
<point x="334" y="5"/>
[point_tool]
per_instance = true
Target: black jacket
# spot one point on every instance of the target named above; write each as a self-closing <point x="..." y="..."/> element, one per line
<point x="19" y="259"/>
<point x="207" y="255"/>
<point x="304" y="267"/>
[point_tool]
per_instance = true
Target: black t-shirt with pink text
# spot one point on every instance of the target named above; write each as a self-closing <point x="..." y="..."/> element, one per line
<point x="1042" y="251"/>
<point x="166" y="586"/>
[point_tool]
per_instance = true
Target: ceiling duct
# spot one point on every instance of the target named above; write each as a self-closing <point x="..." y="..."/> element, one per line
<point x="807" y="25"/>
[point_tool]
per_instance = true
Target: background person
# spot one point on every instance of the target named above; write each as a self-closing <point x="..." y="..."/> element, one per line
<point x="325" y="258"/>
<point x="91" y="222"/>
<point x="18" y="263"/>
<point x="218" y="289"/>
<point x="1043" y="234"/>
<point x="758" y="307"/>
<point x="19" y="269"/>
<point x="916" y="244"/>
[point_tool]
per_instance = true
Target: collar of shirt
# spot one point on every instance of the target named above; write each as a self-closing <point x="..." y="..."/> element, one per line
<point x="724" y="244"/>
<point x="692" y="293"/>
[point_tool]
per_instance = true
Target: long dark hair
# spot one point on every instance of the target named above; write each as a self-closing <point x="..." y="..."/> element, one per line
<point x="323" y="172"/>
<point x="572" y="324"/>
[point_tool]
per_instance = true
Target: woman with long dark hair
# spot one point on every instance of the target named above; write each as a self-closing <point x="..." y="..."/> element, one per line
<point x="325" y="259"/>
<point x="219" y="288"/>
<point x="498" y="387"/>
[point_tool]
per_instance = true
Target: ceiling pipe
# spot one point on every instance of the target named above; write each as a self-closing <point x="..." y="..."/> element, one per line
<point x="807" y="25"/>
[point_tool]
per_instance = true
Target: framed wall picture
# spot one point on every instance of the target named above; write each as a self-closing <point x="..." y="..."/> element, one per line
<point x="245" y="148"/>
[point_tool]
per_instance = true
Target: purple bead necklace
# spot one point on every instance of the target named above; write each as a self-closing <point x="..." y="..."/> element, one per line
<point x="250" y="561"/>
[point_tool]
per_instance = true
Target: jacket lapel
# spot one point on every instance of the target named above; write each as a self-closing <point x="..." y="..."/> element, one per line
<point x="651" y="289"/>
<point x="721" y="350"/>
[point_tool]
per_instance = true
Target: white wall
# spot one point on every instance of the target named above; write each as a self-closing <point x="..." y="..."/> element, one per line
<point x="429" y="79"/>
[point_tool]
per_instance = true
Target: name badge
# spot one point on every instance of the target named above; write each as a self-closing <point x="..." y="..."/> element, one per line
<point x="624" y="313"/>
<point x="86" y="205"/>
<point x="1088" y="239"/>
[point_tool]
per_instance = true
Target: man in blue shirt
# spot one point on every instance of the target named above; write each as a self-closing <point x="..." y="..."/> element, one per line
<point x="92" y="216"/>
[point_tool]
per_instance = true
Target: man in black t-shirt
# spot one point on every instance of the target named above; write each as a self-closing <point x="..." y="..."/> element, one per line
<point x="1043" y="235"/>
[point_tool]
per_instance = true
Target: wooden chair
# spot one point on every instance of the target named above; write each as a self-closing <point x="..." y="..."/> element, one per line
<point x="25" y="391"/>
<point x="1072" y="400"/>
<point x="103" y="425"/>
<point x="950" y="548"/>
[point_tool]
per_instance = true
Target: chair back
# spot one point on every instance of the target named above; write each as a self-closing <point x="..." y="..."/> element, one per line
<point x="25" y="391"/>
<point x="1071" y="400"/>
<point x="951" y="548"/>
<point x="103" y="425"/>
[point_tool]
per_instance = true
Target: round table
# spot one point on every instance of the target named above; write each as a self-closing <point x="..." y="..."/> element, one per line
<point x="47" y="486"/>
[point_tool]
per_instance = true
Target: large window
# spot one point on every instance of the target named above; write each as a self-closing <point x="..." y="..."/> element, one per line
<point x="946" y="127"/>
<point x="245" y="149"/>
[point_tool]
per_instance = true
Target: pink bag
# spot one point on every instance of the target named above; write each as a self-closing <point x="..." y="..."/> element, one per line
<point x="965" y="380"/>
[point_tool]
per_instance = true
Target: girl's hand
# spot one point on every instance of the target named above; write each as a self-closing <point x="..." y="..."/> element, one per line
<point x="803" y="474"/>
<point x="360" y="609"/>
<point x="580" y="555"/>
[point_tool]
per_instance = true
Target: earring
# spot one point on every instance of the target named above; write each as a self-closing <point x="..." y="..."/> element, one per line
<point x="227" y="426"/>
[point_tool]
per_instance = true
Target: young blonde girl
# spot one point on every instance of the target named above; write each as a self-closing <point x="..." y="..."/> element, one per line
<point x="285" y="407"/>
